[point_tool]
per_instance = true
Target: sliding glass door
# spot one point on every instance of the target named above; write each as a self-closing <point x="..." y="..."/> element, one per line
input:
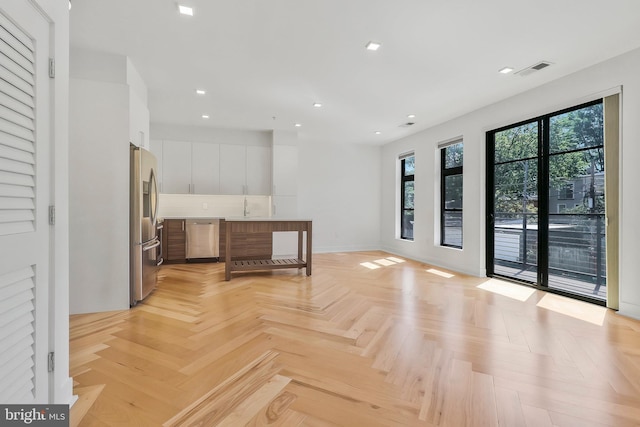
<point x="545" y="202"/>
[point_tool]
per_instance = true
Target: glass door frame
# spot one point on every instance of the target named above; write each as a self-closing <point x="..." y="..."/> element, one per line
<point x="542" y="283"/>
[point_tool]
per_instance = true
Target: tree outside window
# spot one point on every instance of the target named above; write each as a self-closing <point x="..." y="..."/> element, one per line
<point x="407" y="171"/>
<point x="451" y="195"/>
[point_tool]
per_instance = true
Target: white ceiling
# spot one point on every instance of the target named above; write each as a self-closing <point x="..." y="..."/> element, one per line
<point x="260" y="59"/>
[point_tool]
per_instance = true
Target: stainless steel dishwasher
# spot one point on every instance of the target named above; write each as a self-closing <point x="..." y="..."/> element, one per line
<point x="202" y="238"/>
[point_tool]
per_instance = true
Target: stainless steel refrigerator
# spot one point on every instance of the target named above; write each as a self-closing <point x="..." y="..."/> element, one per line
<point x="145" y="244"/>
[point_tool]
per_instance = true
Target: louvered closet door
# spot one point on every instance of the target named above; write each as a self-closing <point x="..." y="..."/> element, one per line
<point x="24" y="199"/>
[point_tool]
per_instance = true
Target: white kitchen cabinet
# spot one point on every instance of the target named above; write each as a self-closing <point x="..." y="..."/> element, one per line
<point x="233" y="169"/>
<point x="208" y="168"/>
<point x="176" y="167"/>
<point x="285" y="170"/>
<point x="245" y="169"/>
<point x="258" y="170"/>
<point x="205" y="168"/>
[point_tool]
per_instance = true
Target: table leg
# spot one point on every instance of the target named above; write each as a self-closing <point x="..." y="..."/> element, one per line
<point x="227" y="255"/>
<point x="309" y="233"/>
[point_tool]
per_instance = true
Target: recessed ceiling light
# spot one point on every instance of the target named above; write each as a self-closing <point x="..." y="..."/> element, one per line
<point x="205" y="116"/>
<point x="505" y="70"/>
<point x="411" y="116"/>
<point x="378" y="132"/>
<point x="373" y="46"/>
<point x="185" y="10"/>
<point x="200" y="91"/>
<point x="297" y="125"/>
<point x="317" y="104"/>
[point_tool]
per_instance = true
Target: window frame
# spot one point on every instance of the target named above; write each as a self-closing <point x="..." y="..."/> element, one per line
<point x="563" y="191"/>
<point x="545" y="210"/>
<point x="404" y="179"/>
<point x="446" y="172"/>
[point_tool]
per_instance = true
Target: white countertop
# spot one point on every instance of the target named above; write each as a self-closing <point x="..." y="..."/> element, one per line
<point x="238" y="218"/>
<point x="264" y="218"/>
<point x="191" y="217"/>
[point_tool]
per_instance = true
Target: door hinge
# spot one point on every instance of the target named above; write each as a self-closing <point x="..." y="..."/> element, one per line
<point x="50" y="362"/>
<point x="52" y="215"/>
<point x="52" y="68"/>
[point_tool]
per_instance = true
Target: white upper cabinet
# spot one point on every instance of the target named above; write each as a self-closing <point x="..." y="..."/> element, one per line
<point x="245" y="169"/>
<point x="233" y="169"/>
<point x="208" y="168"/>
<point x="258" y="170"/>
<point x="205" y="168"/>
<point x="176" y="167"/>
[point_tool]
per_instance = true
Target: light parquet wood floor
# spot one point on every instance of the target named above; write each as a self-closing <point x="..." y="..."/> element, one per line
<point x="353" y="345"/>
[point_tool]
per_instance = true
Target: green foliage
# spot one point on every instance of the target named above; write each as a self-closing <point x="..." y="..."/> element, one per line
<point x="409" y="165"/>
<point x="453" y="160"/>
<point x="453" y="155"/>
<point x="520" y="142"/>
<point x="572" y="138"/>
<point x="453" y="191"/>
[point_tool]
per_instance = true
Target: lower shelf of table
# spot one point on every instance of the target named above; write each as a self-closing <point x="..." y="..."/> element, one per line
<point x="267" y="264"/>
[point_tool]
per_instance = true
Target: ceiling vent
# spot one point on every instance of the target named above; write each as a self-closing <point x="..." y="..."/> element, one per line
<point x="406" y="125"/>
<point x="532" y="69"/>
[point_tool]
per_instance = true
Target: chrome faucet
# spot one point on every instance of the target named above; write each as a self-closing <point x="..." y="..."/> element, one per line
<point x="246" y="207"/>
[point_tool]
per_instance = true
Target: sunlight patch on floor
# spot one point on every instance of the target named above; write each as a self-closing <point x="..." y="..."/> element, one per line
<point x="510" y="290"/>
<point x="580" y="310"/>
<point x="370" y="265"/>
<point x="384" y="262"/>
<point x="440" y="273"/>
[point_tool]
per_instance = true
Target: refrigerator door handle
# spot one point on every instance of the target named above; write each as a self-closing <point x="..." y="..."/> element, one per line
<point x="154" y="245"/>
<point x="154" y="199"/>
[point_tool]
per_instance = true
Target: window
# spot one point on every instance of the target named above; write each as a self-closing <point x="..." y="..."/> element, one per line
<point x="407" y="170"/>
<point x="565" y="192"/>
<point x="451" y="195"/>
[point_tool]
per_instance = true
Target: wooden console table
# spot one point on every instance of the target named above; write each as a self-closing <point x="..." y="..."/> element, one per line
<point x="256" y="225"/>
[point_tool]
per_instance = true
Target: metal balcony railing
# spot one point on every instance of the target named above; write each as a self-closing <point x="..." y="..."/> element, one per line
<point x="576" y="249"/>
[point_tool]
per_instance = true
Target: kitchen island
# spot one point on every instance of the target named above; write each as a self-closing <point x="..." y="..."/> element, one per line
<point x="262" y="225"/>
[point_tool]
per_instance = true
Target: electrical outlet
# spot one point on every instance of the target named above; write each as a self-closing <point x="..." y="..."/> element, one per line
<point x="205" y="206"/>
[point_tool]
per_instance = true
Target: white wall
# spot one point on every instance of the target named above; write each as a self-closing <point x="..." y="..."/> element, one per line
<point x="339" y="188"/>
<point x="285" y="171"/>
<point x="112" y="68"/>
<point x="99" y="196"/>
<point x="138" y="111"/>
<point x="98" y="66"/>
<point x="591" y="83"/>
<point x="107" y="111"/>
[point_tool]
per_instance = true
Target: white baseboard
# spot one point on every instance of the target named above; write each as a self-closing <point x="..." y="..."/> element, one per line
<point x="64" y="393"/>
<point x="437" y="263"/>
<point x="336" y="249"/>
<point x="629" y="310"/>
